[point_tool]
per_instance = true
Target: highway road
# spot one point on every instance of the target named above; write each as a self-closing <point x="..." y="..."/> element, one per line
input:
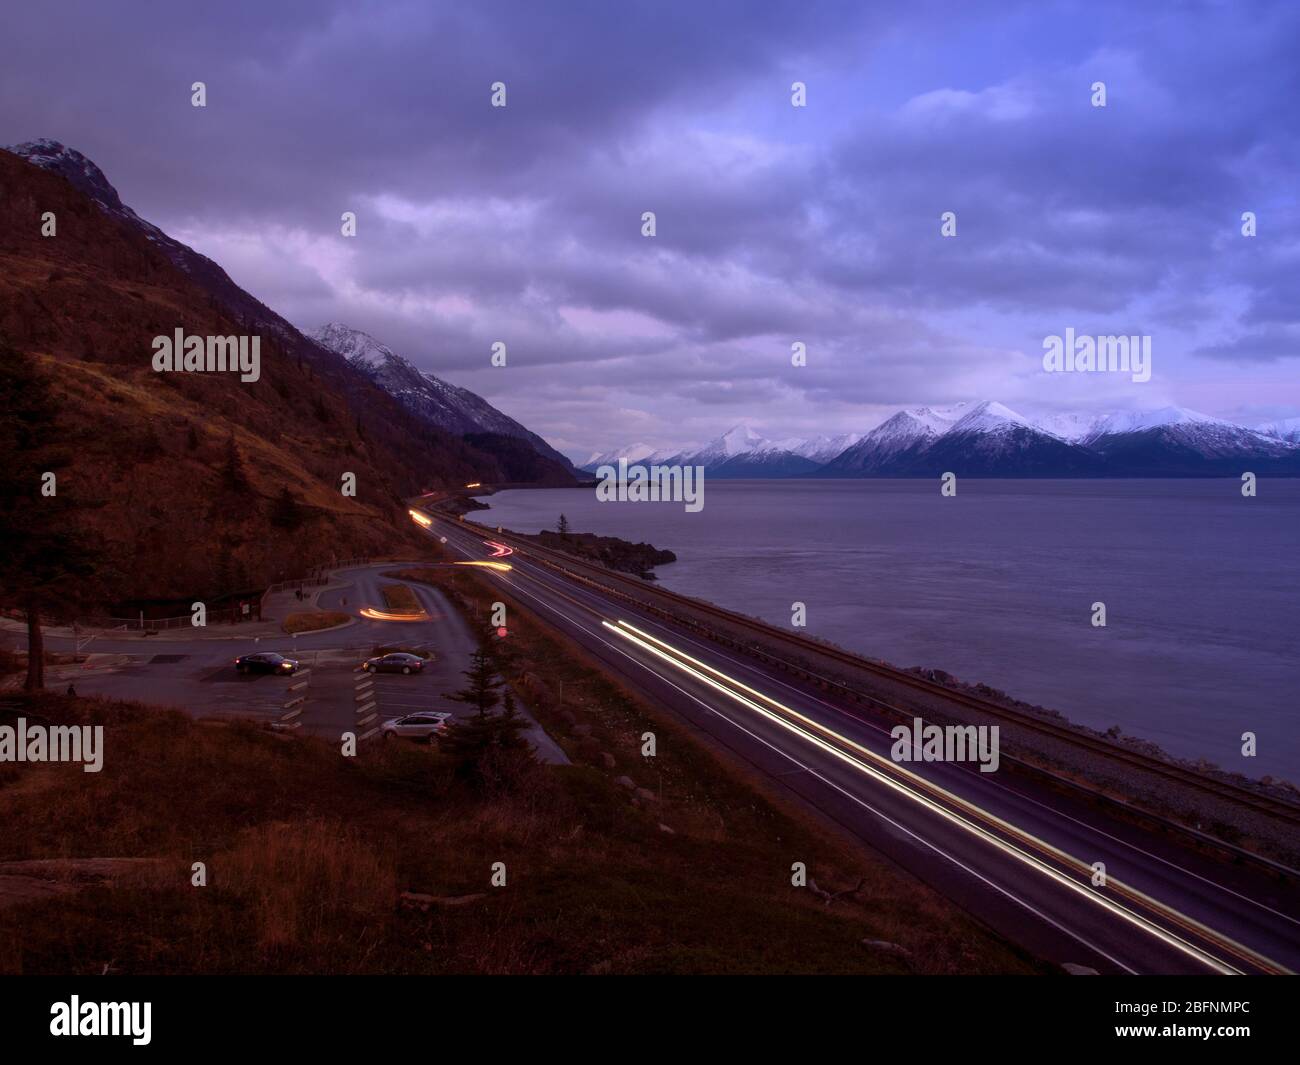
<point x="1020" y="858"/>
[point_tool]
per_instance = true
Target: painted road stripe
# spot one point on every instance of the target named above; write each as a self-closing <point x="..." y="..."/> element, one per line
<point x="295" y="687"/>
<point x="366" y="720"/>
<point x="292" y="714"/>
<point x="363" y="709"/>
<point x="367" y="735"/>
<point x="295" y="701"/>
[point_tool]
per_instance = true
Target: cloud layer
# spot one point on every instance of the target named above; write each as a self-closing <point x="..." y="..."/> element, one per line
<point x="775" y="224"/>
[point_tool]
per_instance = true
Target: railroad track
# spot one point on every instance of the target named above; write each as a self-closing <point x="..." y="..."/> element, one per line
<point x="1287" y="812"/>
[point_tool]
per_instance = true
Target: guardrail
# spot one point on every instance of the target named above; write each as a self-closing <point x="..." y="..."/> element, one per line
<point x="299" y="582"/>
<point x="325" y="568"/>
<point x="225" y="616"/>
<point x="319" y="576"/>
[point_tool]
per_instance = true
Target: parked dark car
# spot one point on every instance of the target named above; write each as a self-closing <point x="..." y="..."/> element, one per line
<point x="266" y="662"/>
<point x="397" y="662"/>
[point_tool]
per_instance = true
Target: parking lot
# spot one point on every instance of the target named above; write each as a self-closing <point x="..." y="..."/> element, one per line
<point x="341" y="697"/>
<point x="330" y="694"/>
<point x="203" y="683"/>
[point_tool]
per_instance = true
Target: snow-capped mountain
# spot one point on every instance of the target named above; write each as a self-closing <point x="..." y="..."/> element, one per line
<point x="819" y="449"/>
<point x="1174" y="441"/>
<point x="895" y="442"/>
<point x="990" y="417"/>
<point x="1287" y="429"/>
<point x="1071" y="426"/>
<point x="989" y="439"/>
<point x="449" y="407"/>
<point x="1139" y="421"/>
<point x="741" y="452"/>
<point x="992" y="440"/>
<point x="738" y="440"/>
<point x="768" y="461"/>
<point x="635" y="454"/>
<point x="81" y="173"/>
<point x="985" y="439"/>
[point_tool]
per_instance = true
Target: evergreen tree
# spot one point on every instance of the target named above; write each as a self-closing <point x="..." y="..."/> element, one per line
<point x="46" y="564"/>
<point x="563" y="526"/>
<point x="484" y="689"/>
<point x="490" y="751"/>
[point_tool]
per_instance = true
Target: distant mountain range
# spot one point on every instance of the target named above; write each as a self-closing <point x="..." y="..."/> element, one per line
<point x="740" y="452"/>
<point x="989" y="439"/>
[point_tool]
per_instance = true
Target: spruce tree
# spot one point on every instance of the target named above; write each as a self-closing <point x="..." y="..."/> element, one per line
<point x="47" y="564"/>
<point x="489" y="751"/>
<point x="483" y="692"/>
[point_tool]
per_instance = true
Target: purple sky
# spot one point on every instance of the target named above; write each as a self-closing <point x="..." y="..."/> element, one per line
<point x="775" y="224"/>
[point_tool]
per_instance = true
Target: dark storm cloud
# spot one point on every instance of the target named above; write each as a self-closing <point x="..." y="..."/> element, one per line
<point x="313" y="102"/>
<point x="774" y="224"/>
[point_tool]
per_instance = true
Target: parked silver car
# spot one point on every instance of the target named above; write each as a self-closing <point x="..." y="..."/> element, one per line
<point x="427" y="725"/>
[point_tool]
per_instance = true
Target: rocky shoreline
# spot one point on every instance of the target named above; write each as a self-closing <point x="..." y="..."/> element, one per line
<point x="609" y="551"/>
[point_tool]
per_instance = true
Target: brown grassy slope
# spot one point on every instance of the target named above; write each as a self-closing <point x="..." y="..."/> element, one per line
<point x="306" y="852"/>
<point x="88" y="303"/>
